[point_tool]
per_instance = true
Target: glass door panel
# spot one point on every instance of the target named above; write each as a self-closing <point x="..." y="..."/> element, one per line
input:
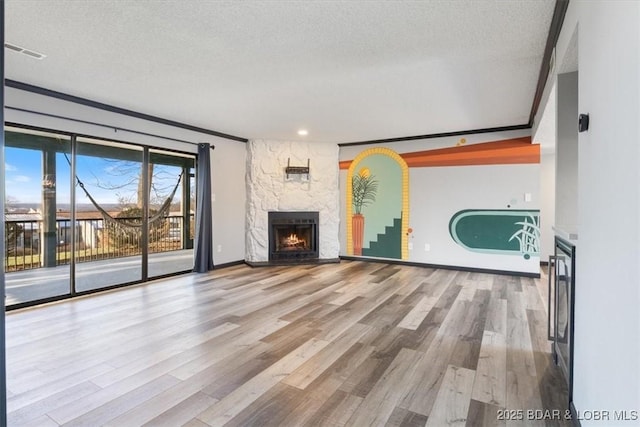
<point x="37" y="182"/>
<point x="171" y="216"/>
<point x="109" y="206"/>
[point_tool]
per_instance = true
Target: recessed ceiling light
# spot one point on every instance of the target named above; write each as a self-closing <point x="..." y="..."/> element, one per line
<point x="30" y="53"/>
<point x="303" y="132"/>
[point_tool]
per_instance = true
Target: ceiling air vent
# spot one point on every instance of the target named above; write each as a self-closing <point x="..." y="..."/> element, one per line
<point x="30" y="53"/>
<point x="12" y="47"/>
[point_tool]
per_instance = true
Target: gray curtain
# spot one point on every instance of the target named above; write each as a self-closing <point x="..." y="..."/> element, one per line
<point x="203" y="253"/>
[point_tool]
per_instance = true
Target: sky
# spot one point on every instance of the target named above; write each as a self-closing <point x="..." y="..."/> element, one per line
<point x="23" y="178"/>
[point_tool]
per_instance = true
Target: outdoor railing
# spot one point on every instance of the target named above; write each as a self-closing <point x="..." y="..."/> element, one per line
<point x="97" y="240"/>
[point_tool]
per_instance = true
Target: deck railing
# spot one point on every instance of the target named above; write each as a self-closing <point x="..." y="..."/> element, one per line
<point x="96" y="240"/>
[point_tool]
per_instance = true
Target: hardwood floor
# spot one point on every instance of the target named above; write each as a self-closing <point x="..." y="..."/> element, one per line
<point x="349" y="344"/>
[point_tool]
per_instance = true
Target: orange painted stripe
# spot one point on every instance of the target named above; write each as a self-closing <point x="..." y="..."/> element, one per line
<point x="510" y="151"/>
<point x="492" y="145"/>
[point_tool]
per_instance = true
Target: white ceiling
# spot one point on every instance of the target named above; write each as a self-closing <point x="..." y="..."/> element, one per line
<point x="344" y="70"/>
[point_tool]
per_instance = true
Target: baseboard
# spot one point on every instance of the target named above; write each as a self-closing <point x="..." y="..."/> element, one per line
<point x="292" y="263"/>
<point x="381" y="260"/>
<point x="228" y="264"/>
<point x="443" y="267"/>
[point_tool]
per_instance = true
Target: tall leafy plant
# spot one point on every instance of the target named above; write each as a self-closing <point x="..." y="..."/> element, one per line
<point x="364" y="187"/>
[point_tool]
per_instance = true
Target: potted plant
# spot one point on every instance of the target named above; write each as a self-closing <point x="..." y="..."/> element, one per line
<point x="364" y="187"/>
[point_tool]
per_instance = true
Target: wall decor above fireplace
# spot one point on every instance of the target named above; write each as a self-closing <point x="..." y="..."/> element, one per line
<point x="297" y="169"/>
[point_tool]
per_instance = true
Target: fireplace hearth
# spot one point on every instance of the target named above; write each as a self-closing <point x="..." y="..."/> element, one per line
<point x="293" y="237"/>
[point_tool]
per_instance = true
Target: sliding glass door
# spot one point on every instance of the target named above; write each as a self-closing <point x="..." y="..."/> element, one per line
<point x="37" y="183"/>
<point x="86" y="214"/>
<point x="171" y="217"/>
<point x="109" y="202"/>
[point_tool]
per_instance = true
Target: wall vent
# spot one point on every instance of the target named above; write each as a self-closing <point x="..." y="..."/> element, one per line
<point x="28" y="52"/>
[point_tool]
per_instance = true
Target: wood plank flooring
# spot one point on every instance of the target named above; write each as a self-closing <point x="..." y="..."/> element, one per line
<point x="348" y="344"/>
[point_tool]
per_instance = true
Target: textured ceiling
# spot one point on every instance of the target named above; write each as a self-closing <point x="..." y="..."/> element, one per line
<point x="344" y="70"/>
<point x="569" y="62"/>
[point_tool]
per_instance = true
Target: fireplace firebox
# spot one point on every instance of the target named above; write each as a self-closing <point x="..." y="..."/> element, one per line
<point x="293" y="236"/>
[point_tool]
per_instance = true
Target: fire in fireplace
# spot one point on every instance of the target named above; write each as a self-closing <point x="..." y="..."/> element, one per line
<point x="293" y="236"/>
<point x="291" y="243"/>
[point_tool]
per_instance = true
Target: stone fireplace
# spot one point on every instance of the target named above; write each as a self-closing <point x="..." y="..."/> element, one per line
<point x="293" y="236"/>
<point x="272" y="193"/>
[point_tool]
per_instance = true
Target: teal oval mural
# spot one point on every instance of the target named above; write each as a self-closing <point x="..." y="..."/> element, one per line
<point x="500" y="231"/>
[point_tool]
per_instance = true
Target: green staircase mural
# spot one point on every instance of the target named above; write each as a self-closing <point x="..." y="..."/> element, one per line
<point x="388" y="244"/>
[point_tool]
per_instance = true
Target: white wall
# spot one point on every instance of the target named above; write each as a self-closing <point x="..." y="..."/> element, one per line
<point x="545" y="135"/>
<point x="228" y="170"/>
<point x="547" y="203"/>
<point x="437" y="193"/>
<point x="607" y="328"/>
<point x="567" y="153"/>
<point x="228" y="158"/>
<point x="268" y="189"/>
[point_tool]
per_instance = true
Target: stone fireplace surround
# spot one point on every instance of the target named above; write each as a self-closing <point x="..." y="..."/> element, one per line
<point x="269" y="189"/>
